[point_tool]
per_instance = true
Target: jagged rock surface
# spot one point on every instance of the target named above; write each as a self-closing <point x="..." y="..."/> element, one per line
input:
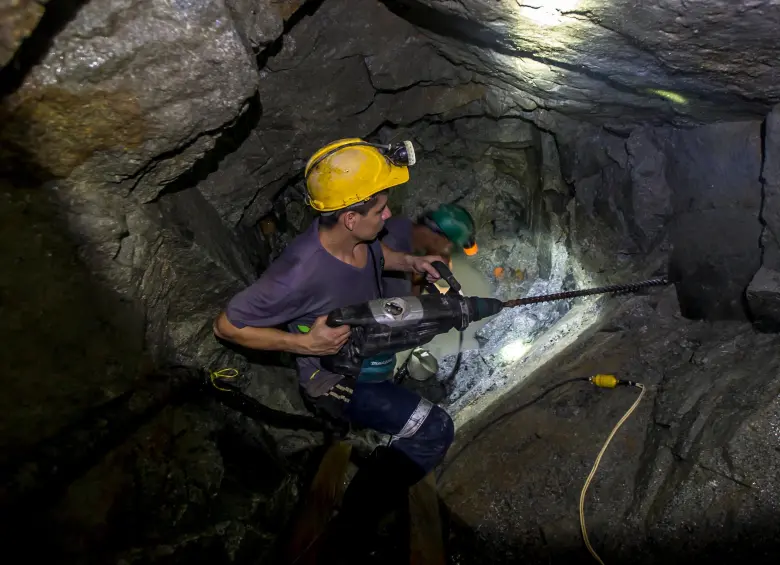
<point x="17" y="22"/>
<point x="131" y="109"/>
<point x="716" y="172"/>
<point x="113" y="114"/>
<point x="97" y="96"/>
<point x="699" y="61"/>
<point x="185" y="486"/>
<point x="341" y="72"/>
<point x="134" y="483"/>
<point x="164" y="168"/>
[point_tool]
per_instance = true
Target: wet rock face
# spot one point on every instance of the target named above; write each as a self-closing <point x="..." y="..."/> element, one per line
<point x="698" y="60"/>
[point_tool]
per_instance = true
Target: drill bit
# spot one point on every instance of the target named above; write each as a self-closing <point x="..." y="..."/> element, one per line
<point x="614" y="288"/>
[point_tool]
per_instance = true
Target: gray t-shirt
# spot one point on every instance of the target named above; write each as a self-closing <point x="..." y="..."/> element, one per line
<point x="306" y="282"/>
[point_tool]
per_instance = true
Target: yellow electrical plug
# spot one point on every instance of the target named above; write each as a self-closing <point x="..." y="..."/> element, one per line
<point x="605" y="381"/>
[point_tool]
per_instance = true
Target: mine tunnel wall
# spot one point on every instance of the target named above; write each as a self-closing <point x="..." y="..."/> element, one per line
<point x="176" y="185"/>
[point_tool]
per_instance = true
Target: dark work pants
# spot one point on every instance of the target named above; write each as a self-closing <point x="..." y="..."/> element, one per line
<point x="421" y="434"/>
<point x="420" y="430"/>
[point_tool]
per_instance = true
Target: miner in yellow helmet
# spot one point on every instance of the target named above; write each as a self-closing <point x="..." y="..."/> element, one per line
<point x="339" y="261"/>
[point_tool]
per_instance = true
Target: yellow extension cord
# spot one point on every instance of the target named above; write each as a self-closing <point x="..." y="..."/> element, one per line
<point x="604" y="381"/>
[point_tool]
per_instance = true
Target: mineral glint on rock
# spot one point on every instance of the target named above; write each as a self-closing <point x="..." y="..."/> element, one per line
<point x="153" y="158"/>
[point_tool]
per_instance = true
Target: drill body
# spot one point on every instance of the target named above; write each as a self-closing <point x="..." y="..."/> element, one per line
<point x="390" y="325"/>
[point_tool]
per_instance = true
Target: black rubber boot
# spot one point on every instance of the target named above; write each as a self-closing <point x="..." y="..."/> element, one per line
<point x="380" y="486"/>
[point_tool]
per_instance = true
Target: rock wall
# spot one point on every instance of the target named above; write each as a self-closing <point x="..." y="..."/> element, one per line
<point x="162" y="131"/>
<point x="344" y="71"/>
<point x="764" y="291"/>
<point x="164" y="165"/>
<point x="172" y="136"/>
<point x="114" y="117"/>
<point x="694" y="201"/>
<point x="618" y="62"/>
<point x="717" y="202"/>
<point x="95" y="466"/>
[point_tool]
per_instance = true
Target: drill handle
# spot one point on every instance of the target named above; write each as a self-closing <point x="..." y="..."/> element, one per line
<point x="447" y="275"/>
<point x="341" y="317"/>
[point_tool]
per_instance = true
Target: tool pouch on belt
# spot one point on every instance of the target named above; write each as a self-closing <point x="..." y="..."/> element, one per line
<point x="374" y="369"/>
<point x="331" y="406"/>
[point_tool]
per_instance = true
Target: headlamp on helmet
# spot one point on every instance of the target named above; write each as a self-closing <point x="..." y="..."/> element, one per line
<point x="401" y="154"/>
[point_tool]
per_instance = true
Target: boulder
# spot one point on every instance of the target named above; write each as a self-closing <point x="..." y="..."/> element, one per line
<point x="130" y="95"/>
<point x="763" y="296"/>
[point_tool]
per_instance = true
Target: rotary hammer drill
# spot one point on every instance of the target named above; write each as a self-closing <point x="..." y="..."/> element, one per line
<point x="391" y="325"/>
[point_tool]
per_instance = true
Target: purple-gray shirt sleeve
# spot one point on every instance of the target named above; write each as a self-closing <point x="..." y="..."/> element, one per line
<point x="278" y="297"/>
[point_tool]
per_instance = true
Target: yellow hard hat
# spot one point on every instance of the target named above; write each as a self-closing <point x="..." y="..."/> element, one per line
<point x="350" y="171"/>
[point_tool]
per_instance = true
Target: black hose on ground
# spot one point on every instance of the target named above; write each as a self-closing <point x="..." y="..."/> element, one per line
<point x="231" y="397"/>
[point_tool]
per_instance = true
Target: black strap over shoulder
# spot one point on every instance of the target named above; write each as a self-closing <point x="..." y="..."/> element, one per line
<point x="379" y="266"/>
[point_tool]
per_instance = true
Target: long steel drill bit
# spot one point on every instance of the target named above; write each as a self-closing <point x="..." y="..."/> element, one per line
<point x="614" y="288"/>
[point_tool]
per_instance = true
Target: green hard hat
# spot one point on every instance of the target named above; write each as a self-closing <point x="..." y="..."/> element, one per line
<point x="456" y="224"/>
